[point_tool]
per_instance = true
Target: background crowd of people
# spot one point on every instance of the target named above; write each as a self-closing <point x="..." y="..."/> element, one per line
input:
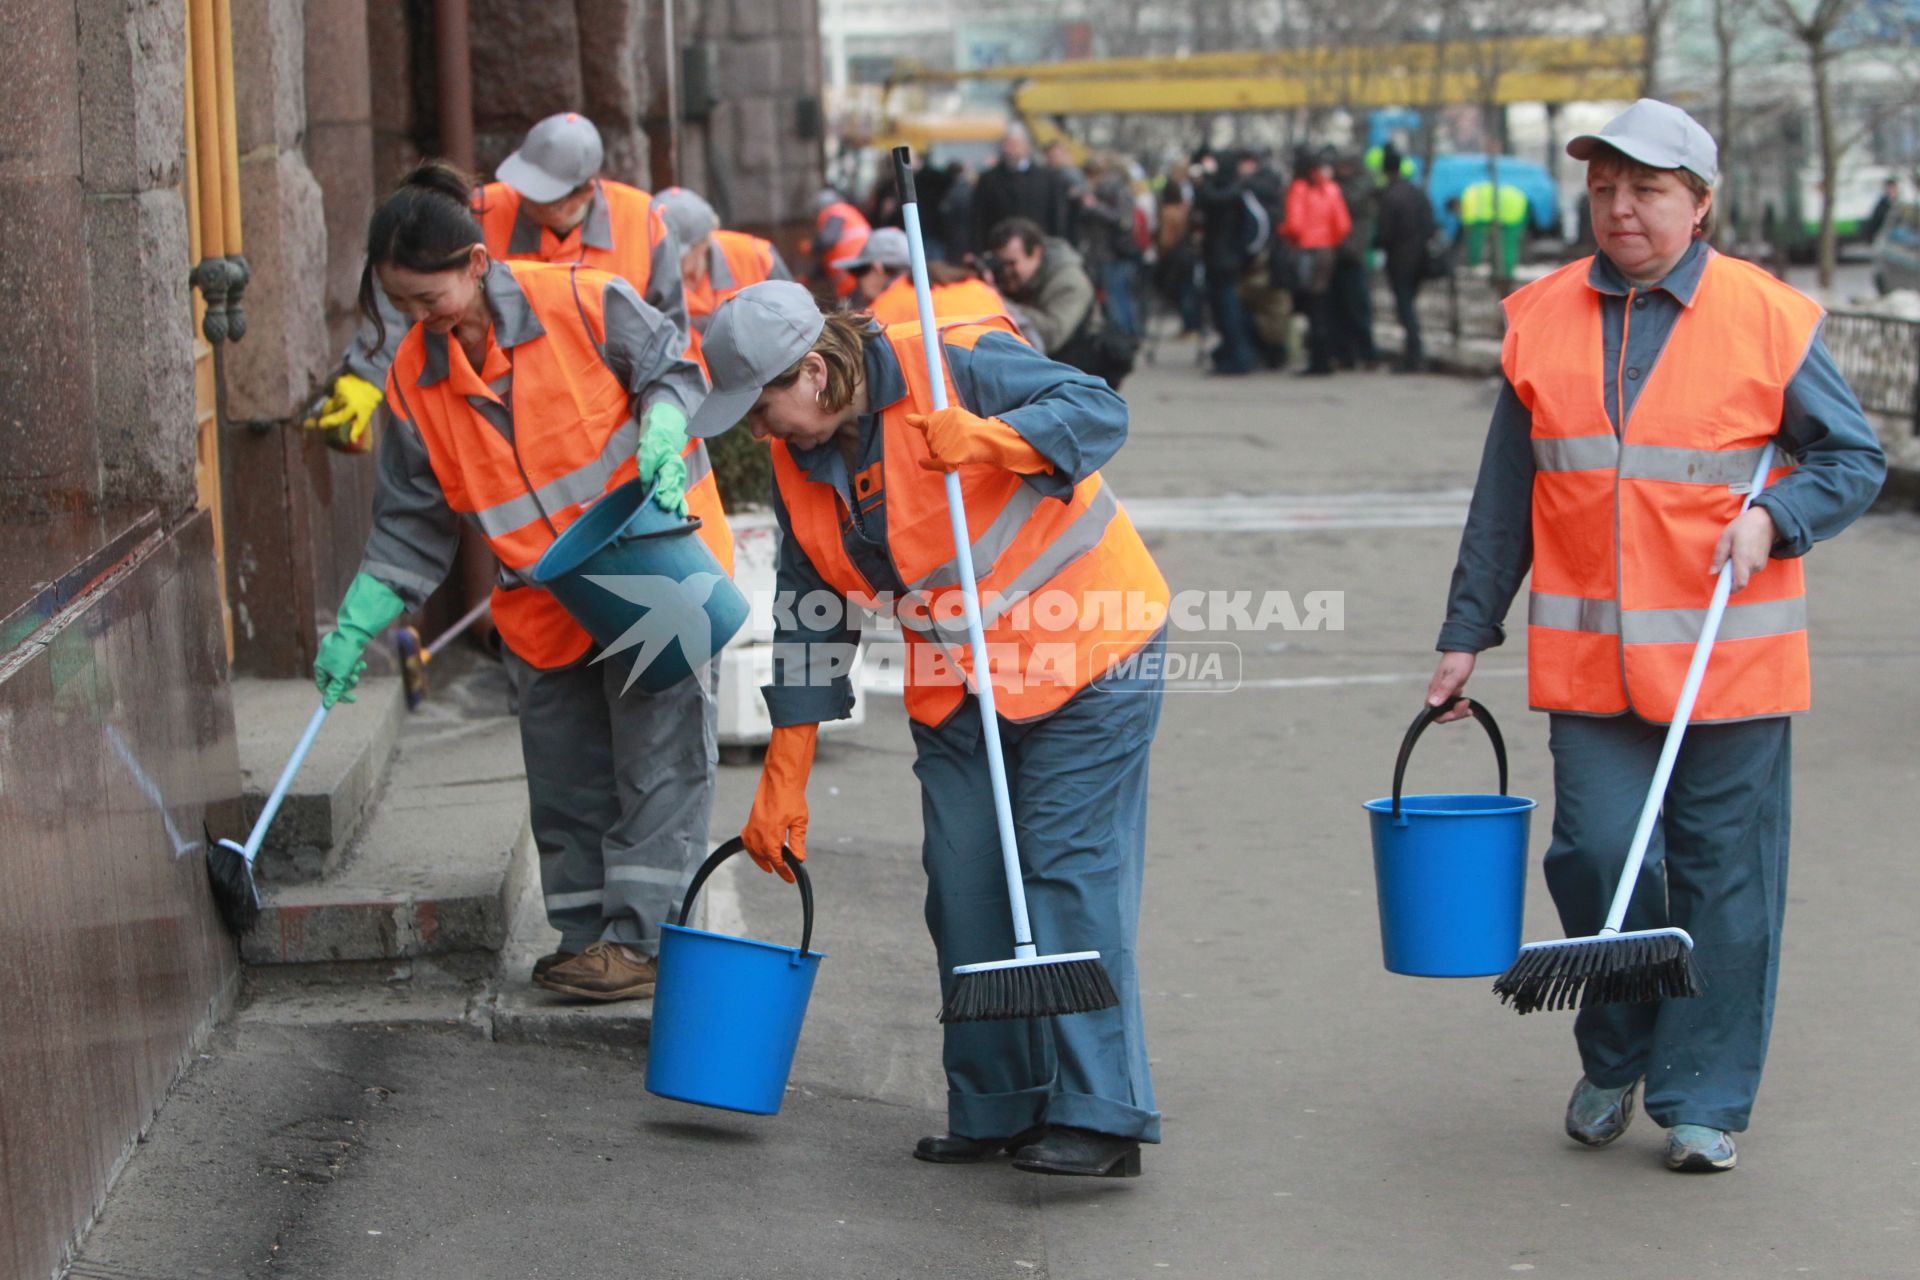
<point x="1271" y="263"/>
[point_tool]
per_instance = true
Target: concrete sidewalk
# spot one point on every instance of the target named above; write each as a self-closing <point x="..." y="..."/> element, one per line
<point x="1323" y="1118"/>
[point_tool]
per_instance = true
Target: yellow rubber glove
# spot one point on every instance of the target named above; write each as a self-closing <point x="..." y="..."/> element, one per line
<point x="780" y="801"/>
<point x="348" y="413"/>
<point x="956" y="437"/>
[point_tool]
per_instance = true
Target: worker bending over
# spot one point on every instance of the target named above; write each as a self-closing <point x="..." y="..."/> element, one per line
<point x="858" y="457"/>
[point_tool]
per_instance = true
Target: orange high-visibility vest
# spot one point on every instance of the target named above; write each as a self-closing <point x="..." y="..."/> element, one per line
<point x="1067" y="588"/>
<point x="748" y="259"/>
<point x="852" y="238"/>
<point x="1624" y="526"/>
<point x="575" y="438"/>
<point x="637" y="229"/>
<point x="962" y="300"/>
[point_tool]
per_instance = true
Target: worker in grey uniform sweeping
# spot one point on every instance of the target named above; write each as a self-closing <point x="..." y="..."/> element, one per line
<point x="521" y="394"/>
<point x="1642" y="386"/>
<point x="859" y="453"/>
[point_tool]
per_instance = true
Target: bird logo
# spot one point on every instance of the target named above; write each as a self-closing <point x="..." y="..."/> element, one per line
<point x="675" y="610"/>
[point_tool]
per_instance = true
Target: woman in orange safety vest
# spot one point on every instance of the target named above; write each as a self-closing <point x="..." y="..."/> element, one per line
<point x="522" y="393"/>
<point x="715" y="264"/>
<point x="839" y="232"/>
<point x="1641" y="387"/>
<point x="1073" y="608"/>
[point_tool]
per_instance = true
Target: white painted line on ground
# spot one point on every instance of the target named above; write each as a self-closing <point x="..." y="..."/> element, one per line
<point x="1328" y="682"/>
<point x="719" y="903"/>
<point x="1279" y="513"/>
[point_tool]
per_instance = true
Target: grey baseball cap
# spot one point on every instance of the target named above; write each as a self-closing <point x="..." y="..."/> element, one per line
<point x="1657" y="134"/>
<point x="886" y="246"/>
<point x="687" y="215"/>
<point x="557" y="155"/>
<point x="754" y="337"/>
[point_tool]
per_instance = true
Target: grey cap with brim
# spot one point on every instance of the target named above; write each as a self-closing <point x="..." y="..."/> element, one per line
<point x="887" y="247"/>
<point x="687" y="214"/>
<point x="557" y="156"/>
<point x="754" y="337"/>
<point x="1657" y="134"/>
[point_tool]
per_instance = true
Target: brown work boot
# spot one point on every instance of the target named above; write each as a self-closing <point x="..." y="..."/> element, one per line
<point x="549" y="960"/>
<point x="604" y="971"/>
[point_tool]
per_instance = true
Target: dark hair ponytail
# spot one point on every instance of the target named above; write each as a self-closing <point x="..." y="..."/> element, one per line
<point x="426" y="225"/>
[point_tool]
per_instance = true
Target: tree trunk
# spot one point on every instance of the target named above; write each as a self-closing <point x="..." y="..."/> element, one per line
<point x="1501" y="269"/>
<point x="1723" y="35"/>
<point x="1652" y="16"/>
<point x="1829" y="158"/>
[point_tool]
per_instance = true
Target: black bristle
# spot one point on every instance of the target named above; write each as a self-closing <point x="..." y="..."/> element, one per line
<point x="231" y="878"/>
<point x="1045" y="990"/>
<point x="1610" y="970"/>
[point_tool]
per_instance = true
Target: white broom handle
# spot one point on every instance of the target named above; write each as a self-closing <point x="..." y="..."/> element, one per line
<point x="963" y="556"/>
<point x="279" y="792"/>
<point x="1682" y="712"/>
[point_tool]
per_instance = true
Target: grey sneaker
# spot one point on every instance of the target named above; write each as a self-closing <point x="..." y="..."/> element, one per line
<point x="1597" y="1116"/>
<point x="1694" y="1148"/>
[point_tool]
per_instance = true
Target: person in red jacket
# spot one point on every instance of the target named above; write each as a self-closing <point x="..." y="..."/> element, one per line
<point x="1317" y="221"/>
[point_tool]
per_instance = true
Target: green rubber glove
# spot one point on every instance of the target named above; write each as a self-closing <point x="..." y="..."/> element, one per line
<point x="662" y="465"/>
<point x="370" y="608"/>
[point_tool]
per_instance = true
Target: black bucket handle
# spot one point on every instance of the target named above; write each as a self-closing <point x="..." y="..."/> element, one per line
<point x="737" y="845"/>
<point x="1427" y="716"/>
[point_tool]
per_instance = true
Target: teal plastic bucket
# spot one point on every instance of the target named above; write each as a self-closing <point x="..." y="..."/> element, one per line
<point x="727" y="1011"/>
<point x="1450" y="870"/>
<point x="629" y="561"/>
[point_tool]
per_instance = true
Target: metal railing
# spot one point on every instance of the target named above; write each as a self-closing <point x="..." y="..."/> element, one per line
<point x="1878" y="355"/>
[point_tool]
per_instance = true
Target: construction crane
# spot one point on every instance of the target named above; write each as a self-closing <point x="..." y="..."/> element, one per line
<point x="1495" y="71"/>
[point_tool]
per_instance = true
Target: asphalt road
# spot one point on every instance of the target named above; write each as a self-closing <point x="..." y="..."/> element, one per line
<point x="1323" y="1117"/>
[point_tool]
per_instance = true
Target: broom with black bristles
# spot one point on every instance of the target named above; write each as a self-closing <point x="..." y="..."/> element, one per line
<point x="1030" y="985"/>
<point x="230" y="865"/>
<point x="1644" y="964"/>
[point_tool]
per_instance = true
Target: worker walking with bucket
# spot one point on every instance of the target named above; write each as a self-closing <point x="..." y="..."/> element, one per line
<point x="1643" y="386"/>
<point x="522" y="394"/>
<point x="858" y="460"/>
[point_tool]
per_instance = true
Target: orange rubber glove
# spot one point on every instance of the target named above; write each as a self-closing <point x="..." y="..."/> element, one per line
<point x="779" y="814"/>
<point x="956" y="437"/>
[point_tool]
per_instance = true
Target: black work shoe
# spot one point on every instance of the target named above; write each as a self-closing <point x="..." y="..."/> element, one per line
<point x="1080" y="1153"/>
<point x="952" y="1148"/>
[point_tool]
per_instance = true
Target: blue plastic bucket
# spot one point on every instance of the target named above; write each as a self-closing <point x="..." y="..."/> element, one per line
<point x="1450" y="871"/>
<point x="628" y="560"/>
<point x="727" y="1011"/>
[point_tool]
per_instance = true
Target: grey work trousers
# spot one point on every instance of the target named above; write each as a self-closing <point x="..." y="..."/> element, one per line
<point x="1078" y="782"/>
<point x="1716" y="867"/>
<point x="621" y="789"/>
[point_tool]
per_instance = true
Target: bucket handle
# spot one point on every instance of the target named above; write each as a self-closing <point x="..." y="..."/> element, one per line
<point x="1419" y="726"/>
<point x="737" y="845"/>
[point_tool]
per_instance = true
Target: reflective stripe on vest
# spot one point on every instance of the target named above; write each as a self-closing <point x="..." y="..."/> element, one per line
<point x="584" y="485"/>
<point x="1023" y="544"/>
<point x="1624" y="526"/>
<point x="1665" y="626"/>
<point x="1079" y="538"/>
